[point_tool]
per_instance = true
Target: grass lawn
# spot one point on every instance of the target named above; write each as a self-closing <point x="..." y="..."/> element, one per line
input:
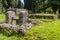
<point x="2" y="17"/>
<point x="46" y="30"/>
<point x="40" y="31"/>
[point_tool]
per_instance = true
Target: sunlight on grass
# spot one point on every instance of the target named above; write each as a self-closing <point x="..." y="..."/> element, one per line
<point x="46" y="30"/>
<point x="2" y="16"/>
<point x="40" y="31"/>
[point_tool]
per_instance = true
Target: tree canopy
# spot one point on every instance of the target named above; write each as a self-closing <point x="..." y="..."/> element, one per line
<point x="42" y="5"/>
<point x="33" y="5"/>
<point x="10" y="3"/>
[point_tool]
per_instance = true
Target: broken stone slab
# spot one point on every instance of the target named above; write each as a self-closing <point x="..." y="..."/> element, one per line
<point x="22" y="28"/>
<point x="12" y="27"/>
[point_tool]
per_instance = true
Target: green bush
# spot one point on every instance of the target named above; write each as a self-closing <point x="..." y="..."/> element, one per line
<point x="49" y="10"/>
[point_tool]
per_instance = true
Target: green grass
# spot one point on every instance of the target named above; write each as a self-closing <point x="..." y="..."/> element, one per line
<point x="46" y="31"/>
<point x="39" y="31"/>
<point x="2" y="17"/>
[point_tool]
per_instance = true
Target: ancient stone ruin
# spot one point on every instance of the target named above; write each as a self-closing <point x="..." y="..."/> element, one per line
<point x="11" y="20"/>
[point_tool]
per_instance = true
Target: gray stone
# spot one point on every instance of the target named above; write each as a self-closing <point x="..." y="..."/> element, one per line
<point x="9" y="16"/>
<point x="23" y="15"/>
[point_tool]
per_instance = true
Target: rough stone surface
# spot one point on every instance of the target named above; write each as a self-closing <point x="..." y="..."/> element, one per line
<point x="13" y="27"/>
<point x="9" y="16"/>
<point x="22" y="18"/>
<point x="23" y="15"/>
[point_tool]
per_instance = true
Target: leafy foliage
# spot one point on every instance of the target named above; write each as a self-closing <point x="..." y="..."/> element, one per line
<point x="35" y="6"/>
<point x="42" y="5"/>
<point x="9" y="3"/>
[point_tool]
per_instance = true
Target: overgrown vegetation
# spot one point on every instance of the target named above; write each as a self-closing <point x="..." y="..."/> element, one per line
<point x="40" y="31"/>
<point x="2" y="16"/>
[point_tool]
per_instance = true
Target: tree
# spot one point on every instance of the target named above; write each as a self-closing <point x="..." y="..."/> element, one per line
<point x="42" y="5"/>
<point x="28" y="4"/>
<point x="54" y="4"/>
<point x="19" y="4"/>
<point x="35" y="5"/>
<point x="9" y="3"/>
<point x="14" y="3"/>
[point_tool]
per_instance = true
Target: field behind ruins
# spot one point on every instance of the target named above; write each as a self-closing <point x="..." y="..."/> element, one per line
<point x="39" y="31"/>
